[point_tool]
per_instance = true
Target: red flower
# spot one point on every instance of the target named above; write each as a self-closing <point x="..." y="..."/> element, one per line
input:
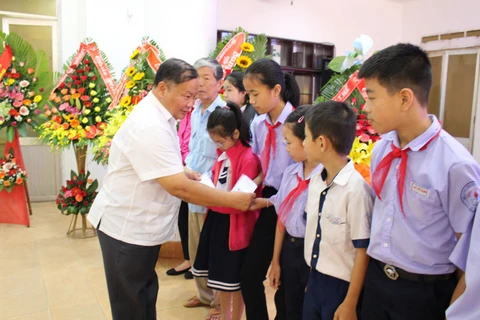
<point x="80" y="71"/>
<point x="85" y="98"/>
<point x="77" y="82"/>
<point x="16" y="75"/>
<point x="13" y="113"/>
<point x="74" y="77"/>
<point x="61" y="86"/>
<point x="81" y="90"/>
<point x="87" y="104"/>
<point x="84" y="78"/>
<point x="92" y="133"/>
<point x="86" y="61"/>
<point x="94" y="78"/>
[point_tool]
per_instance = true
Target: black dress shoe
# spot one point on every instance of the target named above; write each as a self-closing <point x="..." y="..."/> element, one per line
<point x="188" y="275"/>
<point x="173" y="272"/>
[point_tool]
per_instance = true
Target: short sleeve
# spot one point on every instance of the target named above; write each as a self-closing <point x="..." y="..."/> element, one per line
<point x="153" y="153"/>
<point x="359" y="214"/>
<point x="255" y="146"/>
<point x="461" y="197"/>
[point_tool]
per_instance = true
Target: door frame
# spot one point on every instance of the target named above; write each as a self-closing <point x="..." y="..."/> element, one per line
<point x="445" y="54"/>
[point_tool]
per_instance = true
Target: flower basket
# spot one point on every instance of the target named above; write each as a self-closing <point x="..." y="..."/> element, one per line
<point x="76" y="198"/>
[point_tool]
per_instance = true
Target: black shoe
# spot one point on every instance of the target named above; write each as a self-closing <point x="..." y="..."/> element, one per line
<point x="188" y="275"/>
<point x="173" y="272"/>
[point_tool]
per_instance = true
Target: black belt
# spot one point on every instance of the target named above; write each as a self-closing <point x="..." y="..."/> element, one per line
<point x="394" y="273"/>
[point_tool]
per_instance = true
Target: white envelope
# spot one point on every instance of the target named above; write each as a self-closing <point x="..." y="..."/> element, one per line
<point x="245" y="184"/>
<point x="205" y="179"/>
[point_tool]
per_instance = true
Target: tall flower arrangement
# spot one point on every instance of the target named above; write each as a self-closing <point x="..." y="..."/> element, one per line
<point x="11" y="174"/>
<point x="344" y="68"/>
<point x="24" y="77"/>
<point x="254" y="48"/>
<point x="136" y="82"/>
<point x="78" y="104"/>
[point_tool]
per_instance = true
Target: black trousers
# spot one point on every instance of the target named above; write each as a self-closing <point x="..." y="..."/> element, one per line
<point x="131" y="278"/>
<point x="295" y="272"/>
<point x="258" y="258"/>
<point x="183" y="229"/>
<point x="401" y="299"/>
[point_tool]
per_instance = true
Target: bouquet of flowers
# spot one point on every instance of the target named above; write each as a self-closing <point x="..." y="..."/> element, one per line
<point x="11" y="174"/>
<point x="22" y="87"/>
<point x="136" y="82"/>
<point x="78" y="195"/>
<point x="254" y="48"/>
<point x="78" y="104"/>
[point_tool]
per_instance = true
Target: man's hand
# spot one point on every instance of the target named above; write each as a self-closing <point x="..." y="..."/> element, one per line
<point x="241" y="200"/>
<point x="258" y="203"/>
<point x="274" y="275"/>
<point x="192" y="175"/>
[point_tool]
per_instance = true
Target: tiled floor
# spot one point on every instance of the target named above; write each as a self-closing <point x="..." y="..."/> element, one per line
<point x="45" y="275"/>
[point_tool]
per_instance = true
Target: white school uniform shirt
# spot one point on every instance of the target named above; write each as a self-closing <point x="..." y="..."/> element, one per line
<point x="132" y="206"/>
<point x="338" y="221"/>
<point x="225" y="174"/>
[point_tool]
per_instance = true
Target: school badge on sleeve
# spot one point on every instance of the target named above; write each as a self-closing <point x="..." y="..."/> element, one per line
<point x="470" y="194"/>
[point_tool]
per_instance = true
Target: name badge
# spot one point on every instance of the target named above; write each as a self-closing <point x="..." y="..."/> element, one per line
<point x="419" y="189"/>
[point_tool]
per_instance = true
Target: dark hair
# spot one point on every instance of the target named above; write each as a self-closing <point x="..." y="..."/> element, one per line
<point x="175" y="71"/>
<point x="401" y="66"/>
<point x="336" y="121"/>
<point x="269" y="73"/>
<point x="296" y="119"/>
<point x="224" y="121"/>
<point x="212" y="64"/>
<point x="236" y="79"/>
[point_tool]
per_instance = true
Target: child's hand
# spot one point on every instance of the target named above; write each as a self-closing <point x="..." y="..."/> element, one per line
<point x="258" y="203"/>
<point x="274" y="275"/>
<point x="346" y="311"/>
<point x="192" y="175"/>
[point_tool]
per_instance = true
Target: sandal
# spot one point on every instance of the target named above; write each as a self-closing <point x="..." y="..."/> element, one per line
<point x="194" y="302"/>
<point x="214" y="314"/>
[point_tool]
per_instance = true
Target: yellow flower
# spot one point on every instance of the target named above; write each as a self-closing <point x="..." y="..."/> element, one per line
<point x="125" y="102"/>
<point x="85" y="120"/>
<point x="37" y="98"/>
<point x="98" y="119"/>
<point x="135" y="54"/>
<point x="95" y="100"/>
<point x="69" y="117"/>
<point x="130" y="84"/>
<point x="139" y="76"/>
<point x="248" y="47"/>
<point x="87" y="112"/>
<point x="361" y="152"/>
<point x="10" y="81"/>
<point x="91" y="85"/>
<point x="97" y="109"/>
<point x="108" y="100"/>
<point x="244" y="62"/>
<point x="131" y="71"/>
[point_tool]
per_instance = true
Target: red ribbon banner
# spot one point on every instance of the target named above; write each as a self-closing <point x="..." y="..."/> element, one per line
<point x="352" y="84"/>
<point x="102" y="67"/>
<point x="13" y="205"/>
<point x="5" y="60"/>
<point x="229" y="54"/>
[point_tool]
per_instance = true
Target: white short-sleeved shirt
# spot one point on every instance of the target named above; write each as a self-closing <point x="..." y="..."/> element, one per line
<point x="132" y="206"/>
<point x="338" y="221"/>
<point x="225" y="174"/>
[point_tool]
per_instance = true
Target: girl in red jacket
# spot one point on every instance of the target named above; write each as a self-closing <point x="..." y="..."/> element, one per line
<point x="226" y="233"/>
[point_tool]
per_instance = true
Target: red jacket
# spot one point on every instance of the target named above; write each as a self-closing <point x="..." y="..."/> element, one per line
<point x="241" y="223"/>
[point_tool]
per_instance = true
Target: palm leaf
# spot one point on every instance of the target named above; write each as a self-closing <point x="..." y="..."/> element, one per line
<point x="43" y="75"/>
<point x="260" y="44"/>
<point x="161" y="54"/>
<point x="22" y="50"/>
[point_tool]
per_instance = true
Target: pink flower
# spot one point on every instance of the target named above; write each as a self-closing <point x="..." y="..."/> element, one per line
<point x="17" y="104"/>
<point x="24" y="111"/>
<point x="19" y="96"/>
<point x="37" y="112"/>
<point x="2" y="119"/>
<point x="64" y="106"/>
<point x="21" y="63"/>
<point x="14" y="123"/>
<point x="7" y="166"/>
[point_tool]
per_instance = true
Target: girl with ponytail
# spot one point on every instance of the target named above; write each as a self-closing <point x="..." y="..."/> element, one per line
<point x="274" y="95"/>
<point x="227" y="232"/>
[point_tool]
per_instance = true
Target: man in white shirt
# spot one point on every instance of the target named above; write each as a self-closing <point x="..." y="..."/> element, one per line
<point x="136" y="210"/>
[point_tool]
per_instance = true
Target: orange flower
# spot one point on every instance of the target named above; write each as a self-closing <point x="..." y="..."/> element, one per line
<point x="2" y="174"/>
<point x="64" y="91"/>
<point x="19" y="181"/>
<point x="57" y="100"/>
<point x="66" y="98"/>
<point x="65" y="126"/>
<point x="27" y="102"/>
<point x="73" y="91"/>
<point x="79" y="198"/>
<point x="76" y="95"/>
<point x="75" y="123"/>
<point x="56" y="126"/>
<point x="364" y="170"/>
<point x="7" y="183"/>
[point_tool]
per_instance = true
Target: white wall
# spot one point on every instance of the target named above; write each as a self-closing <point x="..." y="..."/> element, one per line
<point x="338" y="22"/>
<point x="430" y="17"/>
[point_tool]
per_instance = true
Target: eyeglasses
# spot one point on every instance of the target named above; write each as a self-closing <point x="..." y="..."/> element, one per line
<point x="221" y="144"/>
